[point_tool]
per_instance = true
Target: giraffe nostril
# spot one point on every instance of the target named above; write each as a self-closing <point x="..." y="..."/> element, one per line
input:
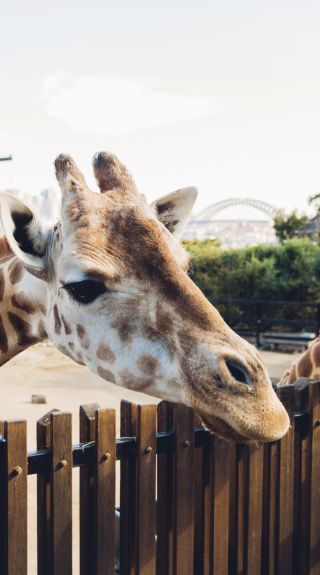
<point x="238" y="372"/>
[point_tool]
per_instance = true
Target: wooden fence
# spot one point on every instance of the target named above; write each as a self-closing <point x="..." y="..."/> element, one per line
<point x="189" y="502"/>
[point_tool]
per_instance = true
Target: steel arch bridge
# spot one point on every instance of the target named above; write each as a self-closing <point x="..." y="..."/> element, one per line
<point x="208" y="213"/>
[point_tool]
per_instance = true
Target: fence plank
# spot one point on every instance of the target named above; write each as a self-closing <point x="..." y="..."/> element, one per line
<point x="207" y="507"/>
<point x="270" y="525"/>
<point x="233" y="535"/>
<point x="254" y="536"/>
<point x="44" y="517"/>
<point x="14" y="492"/>
<point x="165" y="496"/>
<point x="3" y="489"/>
<point x="242" y="506"/>
<point x="105" y="490"/>
<point x="220" y="492"/>
<point x="127" y="494"/>
<point x="61" y="493"/>
<point x="87" y="491"/>
<point x="314" y="396"/>
<point x="198" y="511"/>
<point x="184" y="490"/>
<point x="284" y="553"/>
<point x="303" y="440"/>
<point x="146" y="490"/>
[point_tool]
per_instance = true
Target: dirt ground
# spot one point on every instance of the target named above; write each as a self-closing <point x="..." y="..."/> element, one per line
<point x="66" y="385"/>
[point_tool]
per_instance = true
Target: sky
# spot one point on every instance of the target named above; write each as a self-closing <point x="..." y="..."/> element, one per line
<point x="223" y="95"/>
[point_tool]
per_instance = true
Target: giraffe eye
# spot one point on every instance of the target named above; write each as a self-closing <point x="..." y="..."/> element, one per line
<point x="86" y="291"/>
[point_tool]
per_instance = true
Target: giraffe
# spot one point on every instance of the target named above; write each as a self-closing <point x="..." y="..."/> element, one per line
<point x="109" y="285"/>
<point x="307" y="365"/>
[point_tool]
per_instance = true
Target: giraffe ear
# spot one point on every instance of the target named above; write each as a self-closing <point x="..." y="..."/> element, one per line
<point x="174" y="209"/>
<point x="26" y="237"/>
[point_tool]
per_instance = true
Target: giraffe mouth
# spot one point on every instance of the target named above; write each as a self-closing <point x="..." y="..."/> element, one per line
<point x="222" y="429"/>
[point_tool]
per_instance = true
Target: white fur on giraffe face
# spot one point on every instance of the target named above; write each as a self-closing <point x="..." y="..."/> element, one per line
<point x="97" y="324"/>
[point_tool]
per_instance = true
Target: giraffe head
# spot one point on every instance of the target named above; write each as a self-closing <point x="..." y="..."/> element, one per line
<point x="119" y="300"/>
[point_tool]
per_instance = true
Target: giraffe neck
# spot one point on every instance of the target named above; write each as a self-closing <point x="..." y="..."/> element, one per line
<point x="22" y="309"/>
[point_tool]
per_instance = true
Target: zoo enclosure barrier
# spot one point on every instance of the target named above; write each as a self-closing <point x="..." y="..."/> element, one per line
<point x="190" y="503"/>
<point x="293" y="321"/>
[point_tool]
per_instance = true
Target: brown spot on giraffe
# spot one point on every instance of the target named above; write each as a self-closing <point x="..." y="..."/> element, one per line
<point x="80" y="359"/>
<point x="130" y="381"/>
<point x="66" y="326"/>
<point x="184" y="340"/>
<point x="124" y="328"/>
<point x="15" y="272"/>
<point x="3" y="338"/>
<point x="82" y="335"/>
<point x="105" y="352"/>
<point x="42" y="330"/>
<point x="20" y="301"/>
<point x="2" y="285"/>
<point x="23" y="330"/>
<point x="5" y="250"/>
<point x="151" y="333"/>
<point x="164" y="321"/>
<point x="148" y="364"/>
<point x="106" y="374"/>
<point x="57" y="320"/>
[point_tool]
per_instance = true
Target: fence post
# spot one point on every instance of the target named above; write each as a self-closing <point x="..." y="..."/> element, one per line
<point x="198" y="562"/>
<point x="127" y="494"/>
<point x="220" y="505"/>
<point x="87" y="491"/>
<point x="13" y="495"/>
<point x="3" y="535"/>
<point x="314" y="397"/>
<point x="165" y="496"/>
<point x="61" y="493"/>
<point x="284" y="554"/>
<point x="302" y="433"/>
<point x="249" y="508"/>
<point x="146" y="490"/>
<point x="255" y="506"/>
<point x="184" y="489"/>
<point x="44" y="547"/>
<point x="105" y="490"/>
<point x="270" y="524"/>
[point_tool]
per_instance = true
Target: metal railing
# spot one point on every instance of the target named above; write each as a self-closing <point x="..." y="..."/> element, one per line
<point x="255" y="318"/>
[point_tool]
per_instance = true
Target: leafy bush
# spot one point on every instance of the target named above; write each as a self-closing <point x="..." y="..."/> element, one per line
<point x="288" y="271"/>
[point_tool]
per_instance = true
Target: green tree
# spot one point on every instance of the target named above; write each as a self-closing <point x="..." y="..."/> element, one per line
<point x="286" y="226"/>
<point x="288" y="271"/>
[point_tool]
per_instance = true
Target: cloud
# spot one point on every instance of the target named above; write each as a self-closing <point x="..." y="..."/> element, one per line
<point x="116" y="106"/>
